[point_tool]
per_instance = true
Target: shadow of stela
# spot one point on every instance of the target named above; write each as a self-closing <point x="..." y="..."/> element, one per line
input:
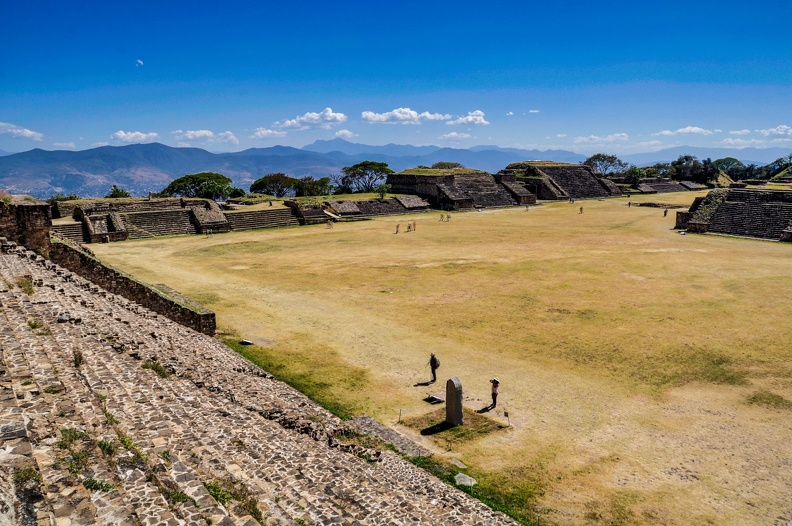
<point x="437" y="428"/>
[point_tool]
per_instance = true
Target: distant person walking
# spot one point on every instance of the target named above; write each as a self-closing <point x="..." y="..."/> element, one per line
<point x="629" y="204"/>
<point x="442" y="217"/>
<point x="330" y="224"/>
<point x="581" y="209"/>
<point x="397" y="228"/>
<point x="495" y="385"/>
<point x="434" y="365"/>
<point x="665" y="212"/>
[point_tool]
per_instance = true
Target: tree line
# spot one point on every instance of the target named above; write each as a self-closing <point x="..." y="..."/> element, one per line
<point x="686" y="168"/>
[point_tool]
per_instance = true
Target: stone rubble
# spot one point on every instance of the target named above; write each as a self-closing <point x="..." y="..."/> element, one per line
<point x="123" y="417"/>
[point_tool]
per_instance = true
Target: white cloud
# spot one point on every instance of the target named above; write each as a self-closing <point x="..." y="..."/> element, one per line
<point x="135" y="136"/>
<point x="473" y="117"/>
<point x="509" y="113"/>
<point x="264" y="133"/>
<point x="206" y="136"/>
<point x="781" y="130"/>
<point x="687" y="130"/>
<point x="561" y="135"/>
<point x="345" y="134"/>
<point x="739" y="132"/>
<point x="454" y="136"/>
<point x="596" y="139"/>
<point x="533" y="111"/>
<point x="64" y="145"/>
<point x="324" y="119"/>
<point x="729" y="141"/>
<point x="100" y="143"/>
<point x="16" y="131"/>
<point x="403" y="116"/>
<point x="139" y="62"/>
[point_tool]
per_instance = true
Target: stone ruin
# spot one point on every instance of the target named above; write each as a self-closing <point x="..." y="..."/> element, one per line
<point x="558" y="181"/>
<point x="461" y="188"/>
<point x="765" y="214"/>
<point x="112" y="414"/>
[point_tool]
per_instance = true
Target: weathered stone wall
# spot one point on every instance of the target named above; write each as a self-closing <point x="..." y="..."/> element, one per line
<point x="26" y="222"/>
<point x="110" y="279"/>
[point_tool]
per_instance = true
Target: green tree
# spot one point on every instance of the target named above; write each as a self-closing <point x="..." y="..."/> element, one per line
<point x="277" y="184"/>
<point x="365" y="176"/>
<point x="204" y="184"/>
<point x="382" y="189"/>
<point x="634" y="174"/>
<point x="117" y="192"/>
<point x="308" y="186"/>
<point x="446" y="165"/>
<point x="605" y="164"/>
<point x="778" y="166"/>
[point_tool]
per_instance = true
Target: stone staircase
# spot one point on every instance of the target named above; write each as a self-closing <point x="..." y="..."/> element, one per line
<point x="160" y="417"/>
<point x="266" y="218"/>
<point x="174" y="222"/>
<point x="484" y="189"/>
<point x="71" y="231"/>
<point x="751" y="213"/>
<point x="576" y="182"/>
<point x="384" y="207"/>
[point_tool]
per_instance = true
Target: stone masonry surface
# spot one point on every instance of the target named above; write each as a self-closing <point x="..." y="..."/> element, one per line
<point x="124" y="417"/>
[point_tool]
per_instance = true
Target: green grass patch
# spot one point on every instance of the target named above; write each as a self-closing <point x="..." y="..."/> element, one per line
<point x="35" y="324"/>
<point x="769" y="399"/>
<point x="91" y="484"/>
<point x="321" y="379"/>
<point x="226" y="491"/>
<point x="21" y="476"/>
<point x="433" y="424"/>
<point x="26" y="284"/>
<point x="156" y="367"/>
<point x="69" y="436"/>
<point x="107" y="447"/>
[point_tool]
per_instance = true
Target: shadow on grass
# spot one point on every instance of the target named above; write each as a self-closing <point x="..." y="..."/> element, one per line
<point x="437" y="428"/>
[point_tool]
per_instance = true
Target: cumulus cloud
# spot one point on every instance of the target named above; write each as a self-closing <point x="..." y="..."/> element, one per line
<point x="533" y="111"/>
<point x="345" y="134"/>
<point x="265" y="133"/>
<point x="561" y="135"/>
<point x="134" y="136"/>
<point x="139" y="63"/>
<point x="18" y="131"/>
<point x="206" y="136"/>
<point x="779" y="131"/>
<point x="473" y="117"/>
<point x="687" y="130"/>
<point x="729" y="141"/>
<point x="509" y="113"/>
<point x="64" y="145"/>
<point x="454" y="136"/>
<point x="739" y="132"/>
<point x="597" y="139"/>
<point x="100" y="143"/>
<point x="403" y="116"/>
<point x="324" y="119"/>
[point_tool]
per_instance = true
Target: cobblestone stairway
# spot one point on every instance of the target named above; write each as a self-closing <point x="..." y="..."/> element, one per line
<point x="207" y="418"/>
<point x="160" y="223"/>
<point x="71" y="231"/>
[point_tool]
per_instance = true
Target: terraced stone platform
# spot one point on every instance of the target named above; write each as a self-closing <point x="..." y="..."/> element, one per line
<point x="114" y="415"/>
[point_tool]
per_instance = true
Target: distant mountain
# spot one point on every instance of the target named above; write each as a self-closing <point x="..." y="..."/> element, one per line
<point x="3" y="152"/>
<point x="758" y="156"/>
<point x="143" y="168"/>
<point x="349" y="148"/>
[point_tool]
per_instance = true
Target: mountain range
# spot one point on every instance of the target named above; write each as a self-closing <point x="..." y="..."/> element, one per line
<point x="143" y="168"/>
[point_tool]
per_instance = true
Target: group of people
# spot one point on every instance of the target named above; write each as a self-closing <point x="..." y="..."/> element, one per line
<point x="434" y="365"/>
<point x="446" y="217"/>
<point x="412" y="226"/>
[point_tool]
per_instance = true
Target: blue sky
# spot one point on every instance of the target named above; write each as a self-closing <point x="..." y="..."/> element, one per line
<point x="620" y="77"/>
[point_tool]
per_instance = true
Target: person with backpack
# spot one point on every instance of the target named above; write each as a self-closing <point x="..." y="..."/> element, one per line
<point x="434" y="364"/>
<point x="495" y="385"/>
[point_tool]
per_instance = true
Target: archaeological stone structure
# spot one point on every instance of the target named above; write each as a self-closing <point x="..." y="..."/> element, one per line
<point x="553" y="180"/>
<point x="764" y="214"/>
<point x="113" y="414"/>
<point x="455" y="415"/>
<point x="461" y="188"/>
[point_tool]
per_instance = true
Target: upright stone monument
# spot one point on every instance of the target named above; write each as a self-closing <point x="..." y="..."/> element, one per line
<point x="454" y="414"/>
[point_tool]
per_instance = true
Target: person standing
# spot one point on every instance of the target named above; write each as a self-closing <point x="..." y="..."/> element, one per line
<point x="434" y="364"/>
<point x="495" y="385"/>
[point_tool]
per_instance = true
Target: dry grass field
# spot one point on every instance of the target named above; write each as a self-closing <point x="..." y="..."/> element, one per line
<point x="647" y="375"/>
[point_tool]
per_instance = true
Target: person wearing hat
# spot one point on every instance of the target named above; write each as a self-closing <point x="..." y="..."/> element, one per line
<point x="495" y="384"/>
<point x="434" y="364"/>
